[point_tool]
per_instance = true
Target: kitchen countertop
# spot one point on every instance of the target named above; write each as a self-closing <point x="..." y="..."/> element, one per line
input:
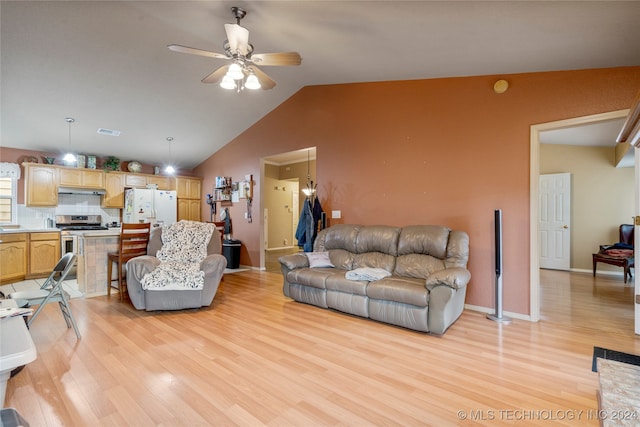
<point x="28" y="230"/>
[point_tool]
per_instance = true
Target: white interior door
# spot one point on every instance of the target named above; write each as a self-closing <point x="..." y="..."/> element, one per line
<point x="555" y="221"/>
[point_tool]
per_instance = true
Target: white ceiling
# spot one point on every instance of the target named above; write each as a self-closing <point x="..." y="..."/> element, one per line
<point x="599" y="134"/>
<point x="106" y="63"/>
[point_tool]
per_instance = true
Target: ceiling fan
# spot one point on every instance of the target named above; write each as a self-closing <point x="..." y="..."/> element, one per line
<point x="243" y="71"/>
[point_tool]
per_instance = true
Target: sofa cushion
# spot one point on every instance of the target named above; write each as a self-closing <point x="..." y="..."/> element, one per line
<point x="375" y="260"/>
<point x="424" y="239"/>
<point x="314" y="277"/>
<point x="399" y="289"/>
<point x="417" y="265"/>
<point x="378" y="238"/>
<point x="342" y="259"/>
<point x="338" y="282"/>
<point x="340" y="236"/>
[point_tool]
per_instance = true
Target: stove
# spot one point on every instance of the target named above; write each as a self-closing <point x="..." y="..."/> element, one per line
<point x="79" y="222"/>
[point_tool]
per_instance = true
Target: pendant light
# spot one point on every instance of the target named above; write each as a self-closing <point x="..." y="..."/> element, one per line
<point x="310" y="191"/>
<point x="69" y="157"/>
<point x="169" y="169"/>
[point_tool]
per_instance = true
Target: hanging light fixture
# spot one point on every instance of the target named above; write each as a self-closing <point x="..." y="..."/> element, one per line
<point x="169" y="169"/>
<point x="310" y="190"/>
<point x="69" y="157"/>
<point x="252" y="82"/>
<point x="239" y="76"/>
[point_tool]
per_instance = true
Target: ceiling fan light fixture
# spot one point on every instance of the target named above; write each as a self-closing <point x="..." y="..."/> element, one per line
<point x="227" y="83"/>
<point x="252" y="82"/>
<point x="235" y="72"/>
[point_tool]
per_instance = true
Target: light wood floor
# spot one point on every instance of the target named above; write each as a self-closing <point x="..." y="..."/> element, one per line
<point x="256" y="358"/>
<point x="271" y="258"/>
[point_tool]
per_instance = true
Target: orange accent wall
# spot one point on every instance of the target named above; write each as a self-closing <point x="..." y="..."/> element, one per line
<point x="442" y="151"/>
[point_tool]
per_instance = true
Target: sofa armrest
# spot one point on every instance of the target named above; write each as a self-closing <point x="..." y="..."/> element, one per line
<point x="136" y="269"/>
<point x="291" y="262"/>
<point x="213" y="267"/>
<point x="455" y="278"/>
<point x="213" y="264"/>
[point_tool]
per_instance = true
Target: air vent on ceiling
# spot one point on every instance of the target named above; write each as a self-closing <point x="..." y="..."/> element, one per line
<point x="103" y="131"/>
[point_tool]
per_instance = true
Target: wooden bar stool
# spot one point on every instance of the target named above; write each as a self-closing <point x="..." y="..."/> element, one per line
<point x="133" y="243"/>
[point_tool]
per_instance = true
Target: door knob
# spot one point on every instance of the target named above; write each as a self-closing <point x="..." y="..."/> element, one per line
<point x="565" y="226"/>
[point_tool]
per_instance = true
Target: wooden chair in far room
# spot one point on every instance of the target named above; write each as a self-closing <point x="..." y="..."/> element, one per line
<point x="620" y="254"/>
<point x="52" y="291"/>
<point x="133" y="243"/>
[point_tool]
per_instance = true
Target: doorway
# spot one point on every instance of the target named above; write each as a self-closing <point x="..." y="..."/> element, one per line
<point x="534" y="194"/>
<point x="283" y="176"/>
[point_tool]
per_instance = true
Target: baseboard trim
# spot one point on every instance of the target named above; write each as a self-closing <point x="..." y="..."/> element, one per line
<point x="489" y="310"/>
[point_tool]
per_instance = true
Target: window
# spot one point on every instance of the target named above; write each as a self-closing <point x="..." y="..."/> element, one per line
<point x="8" y="202"/>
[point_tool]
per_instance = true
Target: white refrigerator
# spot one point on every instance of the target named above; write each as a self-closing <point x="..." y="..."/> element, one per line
<point x="147" y="205"/>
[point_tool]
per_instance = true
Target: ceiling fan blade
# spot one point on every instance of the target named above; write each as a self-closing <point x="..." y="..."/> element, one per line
<point x="282" y="58"/>
<point x="217" y="75"/>
<point x="238" y="38"/>
<point x="194" y="51"/>
<point x="265" y="81"/>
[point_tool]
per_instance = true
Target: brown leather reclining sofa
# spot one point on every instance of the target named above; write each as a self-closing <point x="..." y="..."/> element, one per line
<point x="425" y="291"/>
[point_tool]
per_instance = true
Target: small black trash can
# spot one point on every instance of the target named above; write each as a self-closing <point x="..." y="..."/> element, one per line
<point x="231" y="251"/>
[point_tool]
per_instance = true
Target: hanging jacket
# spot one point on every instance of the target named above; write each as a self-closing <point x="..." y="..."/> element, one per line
<point x="308" y="225"/>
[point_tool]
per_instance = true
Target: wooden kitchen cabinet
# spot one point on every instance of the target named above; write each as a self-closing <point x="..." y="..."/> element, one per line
<point x="188" y="188"/>
<point x="114" y="186"/>
<point x="44" y="253"/>
<point x="135" y="180"/>
<point x="13" y="257"/>
<point x="76" y="177"/>
<point x="188" y="191"/>
<point x="41" y="185"/>
<point x="189" y="209"/>
<point x="163" y="182"/>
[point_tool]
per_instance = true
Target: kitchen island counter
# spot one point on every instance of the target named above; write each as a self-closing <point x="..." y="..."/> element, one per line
<point x="93" y="260"/>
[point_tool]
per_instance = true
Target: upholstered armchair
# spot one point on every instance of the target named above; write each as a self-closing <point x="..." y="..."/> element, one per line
<point x="620" y="254"/>
<point x="172" y="297"/>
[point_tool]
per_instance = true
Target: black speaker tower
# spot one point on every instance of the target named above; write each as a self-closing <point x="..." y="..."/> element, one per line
<point x="498" y="317"/>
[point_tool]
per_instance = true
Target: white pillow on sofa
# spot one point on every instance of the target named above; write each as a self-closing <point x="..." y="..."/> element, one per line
<point x="319" y="259"/>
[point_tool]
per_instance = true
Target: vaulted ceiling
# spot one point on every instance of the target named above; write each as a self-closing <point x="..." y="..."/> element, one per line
<point x="106" y="63"/>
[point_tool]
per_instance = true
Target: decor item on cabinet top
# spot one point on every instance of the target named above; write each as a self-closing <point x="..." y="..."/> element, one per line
<point x="80" y="161"/>
<point x="134" y="166"/>
<point x="49" y="160"/>
<point x="91" y="162"/>
<point x="111" y="164"/>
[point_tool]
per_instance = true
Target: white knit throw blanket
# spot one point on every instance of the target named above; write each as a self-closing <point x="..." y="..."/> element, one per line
<point x="184" y="246"/>
<point x="367" y="273"/>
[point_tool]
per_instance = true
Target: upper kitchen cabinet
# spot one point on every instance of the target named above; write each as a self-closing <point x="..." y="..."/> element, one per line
<point x="41" y="185"/>
<point x="138" y="180"/>
<point x="163" y="182"/>
<point x="87" y="178"/>
<point x="114" y="186"/>
<point x="188" y="188"/>
<point x="135" y="180"/>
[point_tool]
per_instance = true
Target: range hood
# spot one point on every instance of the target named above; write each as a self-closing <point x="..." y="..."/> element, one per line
<point x="84" y="191"/>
